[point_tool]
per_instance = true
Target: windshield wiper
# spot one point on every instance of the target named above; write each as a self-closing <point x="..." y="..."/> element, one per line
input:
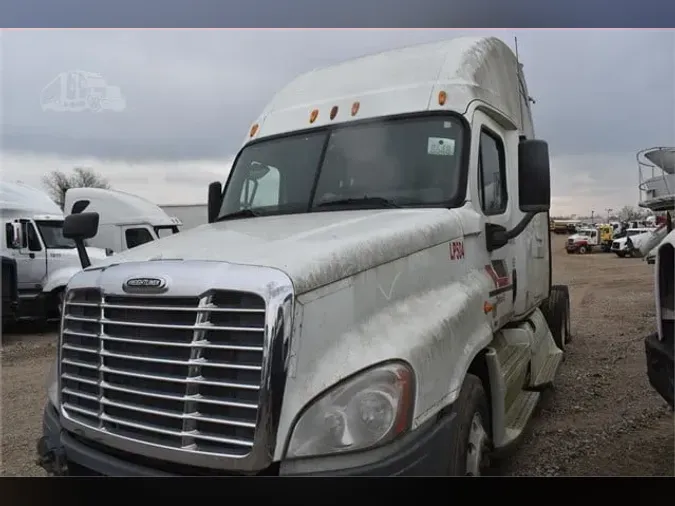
<point x="368" y="201"/>
<point x="243" y="213"/>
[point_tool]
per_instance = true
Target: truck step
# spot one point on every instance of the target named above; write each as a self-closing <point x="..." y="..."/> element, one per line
<point x="514" y="358"/>
<point x="548" y="370"/>
<point x="519" y="415"/>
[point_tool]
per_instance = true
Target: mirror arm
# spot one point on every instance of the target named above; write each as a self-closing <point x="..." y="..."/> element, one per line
<point x="497" y="236"/>
<point x="82" y="253"/>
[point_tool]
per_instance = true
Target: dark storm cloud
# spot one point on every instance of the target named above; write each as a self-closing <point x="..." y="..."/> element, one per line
<point x="193" y="94"/>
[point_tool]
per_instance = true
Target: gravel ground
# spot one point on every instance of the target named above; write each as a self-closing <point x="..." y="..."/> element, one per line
<point x="602" y="418"/>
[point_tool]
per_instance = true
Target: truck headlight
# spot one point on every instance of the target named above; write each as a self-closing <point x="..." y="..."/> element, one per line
<point x="53" y="384"/>
<point x="367" y="410"/>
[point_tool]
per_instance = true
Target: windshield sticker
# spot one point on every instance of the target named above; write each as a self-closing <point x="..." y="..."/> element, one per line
<point x="447" y="124"/>
<point x="440" y="146"/>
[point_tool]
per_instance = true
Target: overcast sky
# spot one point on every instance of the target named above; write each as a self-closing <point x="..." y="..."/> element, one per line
<point x="191" y="96"/>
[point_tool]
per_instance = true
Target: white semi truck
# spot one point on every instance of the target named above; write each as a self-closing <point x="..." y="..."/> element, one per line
<point x="384" y="308"/>
<point x="45" y="260"/>
<point x="658" y="194"/>
<point x="125" y="220"/>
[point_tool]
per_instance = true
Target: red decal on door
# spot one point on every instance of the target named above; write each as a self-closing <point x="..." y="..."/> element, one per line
<point x="497" y="271"/>
<point x="456" y="250"/>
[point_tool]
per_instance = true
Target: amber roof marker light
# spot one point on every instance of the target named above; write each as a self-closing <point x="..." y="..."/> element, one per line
<point x="333" y="112"/>
<point x="254" y="130"/>
<point x="355" y="108"/>
<point x="313" y="115"/>
<point x="442" y="97"/>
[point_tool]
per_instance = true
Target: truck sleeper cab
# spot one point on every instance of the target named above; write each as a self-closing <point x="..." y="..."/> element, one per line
<point x="372" y="294"/>
<point x="125" y="220"/>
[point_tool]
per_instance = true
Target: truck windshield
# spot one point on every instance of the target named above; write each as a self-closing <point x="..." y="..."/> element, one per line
<point x="52" y="234"/>
<point x="397" y="162"/>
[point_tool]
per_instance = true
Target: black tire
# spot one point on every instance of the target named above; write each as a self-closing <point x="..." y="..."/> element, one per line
<point x="583" y="250"/>
<point x="556" y="310"/>
<point x="471" y="403"/>
<point x="621" y="254"/>
<point x="55" y="300"/>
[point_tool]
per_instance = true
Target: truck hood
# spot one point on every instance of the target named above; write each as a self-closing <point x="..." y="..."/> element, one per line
<point x="313" y="249"/>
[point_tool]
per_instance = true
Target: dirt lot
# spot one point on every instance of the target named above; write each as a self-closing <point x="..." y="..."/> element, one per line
<point x="602" y="419"/>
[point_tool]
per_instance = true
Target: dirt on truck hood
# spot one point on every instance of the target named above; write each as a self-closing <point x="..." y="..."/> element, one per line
<point x="313" y="249"/>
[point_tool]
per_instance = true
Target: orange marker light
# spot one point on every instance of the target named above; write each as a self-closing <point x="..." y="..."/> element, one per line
<point x="442" y="97"/>
<point x="355" y="108"/>
<point x="333" y="112"/>
<point x="253" y="131"/>
<point x="487" y="307"/>
<point x="313" y="116"/>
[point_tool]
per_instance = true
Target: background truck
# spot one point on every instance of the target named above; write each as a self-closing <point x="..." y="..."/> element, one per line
<point x="565" y="226"/>
<point x="630" y="244"/>
<point x="10" y="292"/>
<point x="125" y="220"/>
<point x="33" y="238"/>
<point x="657" y="189"/>
<point x="384" y="307"/>
<point x="585" y="240"/>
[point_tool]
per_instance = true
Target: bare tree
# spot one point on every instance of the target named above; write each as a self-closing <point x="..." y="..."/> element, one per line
<point x="630" y="213"/>
<point x="57" y="182"/>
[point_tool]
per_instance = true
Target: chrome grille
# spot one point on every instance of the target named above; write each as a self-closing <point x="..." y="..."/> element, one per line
<point x="181" y="372"/>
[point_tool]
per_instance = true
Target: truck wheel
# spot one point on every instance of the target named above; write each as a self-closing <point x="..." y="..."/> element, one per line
<point x="59" y="300"/>
<point x="470" y="438"/>
<point x="620" y="254"/>
<point x="556" y="310"/>
<point x="54" y="303"/>
<point x="583" y="250"/>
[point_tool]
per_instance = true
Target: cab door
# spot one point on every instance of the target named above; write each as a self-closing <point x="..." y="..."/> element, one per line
<point x="492" y="195"/>
<point x="31" y="259"/>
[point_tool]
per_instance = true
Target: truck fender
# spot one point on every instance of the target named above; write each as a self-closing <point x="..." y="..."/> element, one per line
<point x="437" y="332"/>
<point x="59" y="278"/>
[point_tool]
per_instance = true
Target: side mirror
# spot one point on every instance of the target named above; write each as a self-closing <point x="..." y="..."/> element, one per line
<point x="14" y="235"/>
<point x="534" y="176"/>
<point x="215" y="200"/>
<point x="80" y="227"/>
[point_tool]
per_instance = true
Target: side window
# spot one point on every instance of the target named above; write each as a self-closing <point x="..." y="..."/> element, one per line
<point x="137" y="236"/>
<point x="33" y="241"/>
<point x="492" y="190"/>
<point x="262" y="192"/>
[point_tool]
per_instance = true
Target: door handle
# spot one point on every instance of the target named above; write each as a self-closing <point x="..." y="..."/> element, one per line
<point x="31" y="255"/>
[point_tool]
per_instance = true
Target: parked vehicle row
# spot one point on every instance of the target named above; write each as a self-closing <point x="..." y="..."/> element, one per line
<point x="41" y="259"/>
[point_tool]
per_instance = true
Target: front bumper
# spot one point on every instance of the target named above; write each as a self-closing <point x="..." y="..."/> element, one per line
<point x="660" y="365"/>
<point x="423" y="452"/>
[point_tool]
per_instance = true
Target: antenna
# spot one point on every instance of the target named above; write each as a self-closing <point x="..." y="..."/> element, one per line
<point x="521" y="91"/>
